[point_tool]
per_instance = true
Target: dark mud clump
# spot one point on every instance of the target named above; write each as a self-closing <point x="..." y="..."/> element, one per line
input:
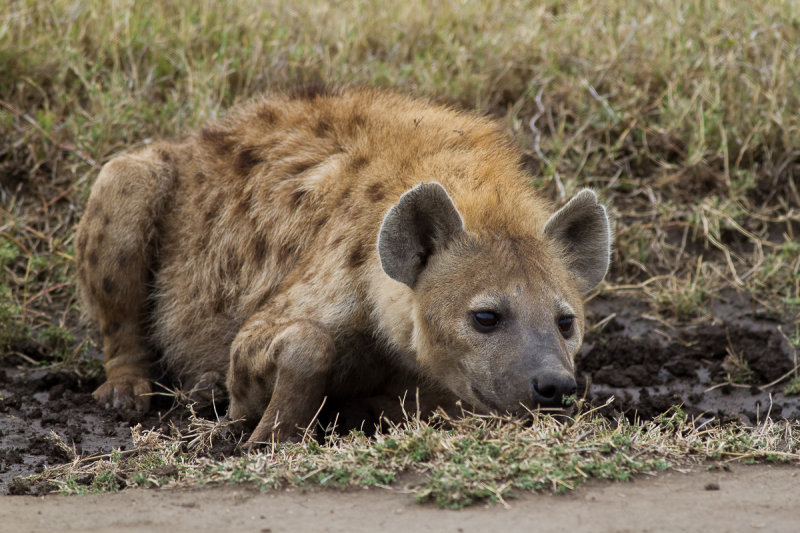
<point x="721" y="370"/>
<point x="48" y="416"/>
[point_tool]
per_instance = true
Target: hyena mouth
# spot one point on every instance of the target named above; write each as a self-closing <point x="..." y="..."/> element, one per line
<point x="524" y="408"/>
<point x="490" y="404"/>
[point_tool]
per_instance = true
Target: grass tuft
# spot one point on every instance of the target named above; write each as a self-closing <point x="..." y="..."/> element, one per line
<point x="450" y="462"/>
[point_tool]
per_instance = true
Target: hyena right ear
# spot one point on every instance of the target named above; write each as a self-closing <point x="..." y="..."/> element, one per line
<point x="423" y="221"/>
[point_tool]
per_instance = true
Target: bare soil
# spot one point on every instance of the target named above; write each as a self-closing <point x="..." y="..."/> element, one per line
<point x="753" y="498"/>
<point x="649" y="366"/>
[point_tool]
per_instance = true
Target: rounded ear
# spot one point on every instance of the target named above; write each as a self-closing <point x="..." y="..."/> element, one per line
<point x="583" y="230"/>
<point x="422" y="223"/>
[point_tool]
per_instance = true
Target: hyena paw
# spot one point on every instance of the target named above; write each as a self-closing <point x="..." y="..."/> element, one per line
<point x="124" y="392"/>
<point x="209" y="389"/>
<point x="261" y="439"/>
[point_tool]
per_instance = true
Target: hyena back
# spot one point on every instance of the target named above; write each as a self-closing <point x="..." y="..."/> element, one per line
<point x="343" y="244"/>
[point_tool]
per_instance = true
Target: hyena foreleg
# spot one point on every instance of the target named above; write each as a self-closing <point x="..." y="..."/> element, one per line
<point x="277" y="376"/>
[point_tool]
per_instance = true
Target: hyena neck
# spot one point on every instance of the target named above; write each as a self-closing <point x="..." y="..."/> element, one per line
<point x="394" y="316"/>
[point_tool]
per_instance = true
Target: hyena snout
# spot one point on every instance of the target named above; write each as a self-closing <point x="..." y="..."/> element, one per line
<point x="549" y="387"/>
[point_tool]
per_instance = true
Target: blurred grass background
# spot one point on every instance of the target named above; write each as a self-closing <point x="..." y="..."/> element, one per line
<point x="684" y="115"/>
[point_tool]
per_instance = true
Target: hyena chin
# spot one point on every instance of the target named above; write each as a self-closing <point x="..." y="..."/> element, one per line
<point x="348" y="245"/>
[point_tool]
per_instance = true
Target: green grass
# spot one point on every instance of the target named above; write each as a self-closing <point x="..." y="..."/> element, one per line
<point x="452" y="463"/>
<point x="793" y="387"/>
<point x="683" y="114"/>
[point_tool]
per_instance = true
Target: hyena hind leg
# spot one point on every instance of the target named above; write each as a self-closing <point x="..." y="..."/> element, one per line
<point x="114" y="254"/>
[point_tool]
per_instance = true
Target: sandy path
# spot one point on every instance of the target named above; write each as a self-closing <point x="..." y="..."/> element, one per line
<point x="757" y="498"/>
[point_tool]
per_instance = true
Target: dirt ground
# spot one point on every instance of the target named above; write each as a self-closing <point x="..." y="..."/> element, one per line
<point x="649" y="366"/>
<point x="634" y="357"/>
<point x="753" y="498"/>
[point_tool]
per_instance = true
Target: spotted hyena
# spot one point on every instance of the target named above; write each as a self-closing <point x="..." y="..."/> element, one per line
<point x="338" y="244"/>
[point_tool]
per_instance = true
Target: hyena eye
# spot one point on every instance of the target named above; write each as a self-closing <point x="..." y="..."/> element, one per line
<point x="565" y="325"/>
<point x="485" y="321"/>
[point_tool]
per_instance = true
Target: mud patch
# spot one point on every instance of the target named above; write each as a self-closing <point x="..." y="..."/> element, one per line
<point x="719" y="368"/>
<point x="48" y="416"/>
<point x="34" y="404"/>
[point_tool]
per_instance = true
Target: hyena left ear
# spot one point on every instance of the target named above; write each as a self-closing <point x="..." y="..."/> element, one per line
<point x="422" y="223"/>
<point x="583" y="229"/>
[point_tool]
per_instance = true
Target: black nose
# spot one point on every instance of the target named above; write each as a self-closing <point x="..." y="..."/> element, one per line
<point x="550" y="387"/>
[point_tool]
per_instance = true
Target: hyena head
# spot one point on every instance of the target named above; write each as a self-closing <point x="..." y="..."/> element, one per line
<point x="498" y="319"/>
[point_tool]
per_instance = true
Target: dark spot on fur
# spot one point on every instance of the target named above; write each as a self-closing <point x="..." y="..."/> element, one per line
<point x="199" y="177"/>
<point x="357" y="121"/>
<point x="124" y="259"/>
<point x="108" y="285"/>
<point x="106" y="220"/>
<point x="375" y="192"/>
<point x="261" y="380"/>
<point x="219" y="139"/>
<point x="296" y="197"/>
<point x="357" y="256"/>
<point x="218" y="304"/>
<point x="266" y="114"/>
<point x="345" y="195"/>
<point x="260" y="251"/>
<point x="242" y="207"/>
<point x="264" y="298"/>
<point x="93" y="258"/>
<point x="298" y="167"/>
<point x="164" y="156"/>
<point x="111" y="328"/>
<point x="338" y="240"/>
<point x="211" y="214"/>
<point x="246" y="159"/>
<point x="311" y="91"/>
<point x="100" y="238"/>
<point x="320" y="222"/>
<point x="285" y="252"/>
<point x="357" y="163"/>
<point x="323" y="127"/>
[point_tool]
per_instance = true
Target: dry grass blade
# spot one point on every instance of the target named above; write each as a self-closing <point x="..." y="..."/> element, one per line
<point x="456" y="462"/>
